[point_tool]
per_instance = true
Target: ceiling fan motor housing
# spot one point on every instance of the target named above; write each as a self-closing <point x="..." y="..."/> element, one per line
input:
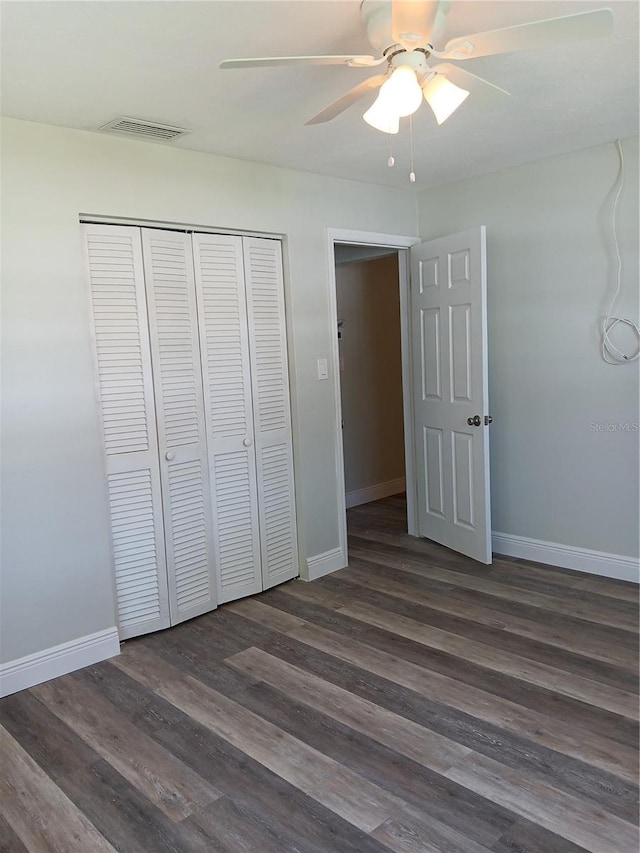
<point x="416" y="59"/>
<point x="377" y="18"/>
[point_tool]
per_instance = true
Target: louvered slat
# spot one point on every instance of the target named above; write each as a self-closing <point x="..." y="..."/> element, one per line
<point x="277" y="509"/>
<point x="182" y="441"/>
<point x="224" y="316"/>
<point x="272" y="417"/>
<point x="233" y="504"/>
<point x="136" y="568"/>
<point x="124" y="380"/>
<point x="229" y="416"/>
<point x="189" y="534"/>
<point x="114" y="294"/>
<point x="174" y="319"/>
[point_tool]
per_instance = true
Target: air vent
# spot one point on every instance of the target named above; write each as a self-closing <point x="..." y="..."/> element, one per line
<point x="143" y="129"/>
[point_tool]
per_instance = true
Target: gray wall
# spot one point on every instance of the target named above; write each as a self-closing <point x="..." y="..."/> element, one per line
<point x="368" y="300"/>
<point x="550" y="273"/>
<point x="56" y="575"/>
<point x="549" y="264"/>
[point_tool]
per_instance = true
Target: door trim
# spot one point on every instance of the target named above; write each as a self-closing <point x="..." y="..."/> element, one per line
<point x="402" y="244"/>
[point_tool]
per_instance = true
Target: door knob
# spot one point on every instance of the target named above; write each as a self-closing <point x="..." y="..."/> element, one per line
<point x="488" y="420"/>
<point x="169" y="455"/>
<point x="247" y="442"/>
<point x="474" y="421"/>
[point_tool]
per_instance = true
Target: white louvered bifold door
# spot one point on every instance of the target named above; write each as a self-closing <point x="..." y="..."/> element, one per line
<point x="227" y="390"/>
<point x="175" y="354"/>
<point x="125" y="386"/>
<point x="272" y="416"/>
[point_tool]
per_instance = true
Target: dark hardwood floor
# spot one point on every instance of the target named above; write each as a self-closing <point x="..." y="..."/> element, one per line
<point x="415" y="701"/>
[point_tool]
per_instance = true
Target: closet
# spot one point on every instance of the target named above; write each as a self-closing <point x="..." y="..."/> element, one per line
<point x="192" y="378"/>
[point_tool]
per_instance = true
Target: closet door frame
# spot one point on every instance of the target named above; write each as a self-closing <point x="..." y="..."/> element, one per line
<point x="133" y="223"/>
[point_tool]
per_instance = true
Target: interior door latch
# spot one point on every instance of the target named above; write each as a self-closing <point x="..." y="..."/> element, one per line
<point x="476" y="420"/>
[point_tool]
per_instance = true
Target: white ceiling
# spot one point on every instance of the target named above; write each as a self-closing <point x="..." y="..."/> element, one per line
<point x="81" y="64"/>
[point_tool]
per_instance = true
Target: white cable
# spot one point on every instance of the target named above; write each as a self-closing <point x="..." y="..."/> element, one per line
<point x="610" y="352"/>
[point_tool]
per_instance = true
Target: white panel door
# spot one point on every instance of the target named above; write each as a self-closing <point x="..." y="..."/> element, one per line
<point x="449" y="334"/>
<point x="175" y="352"/>
<point x="272" y="415"/>
<point x="125" y="387"/>
<point x="222" y="312"/>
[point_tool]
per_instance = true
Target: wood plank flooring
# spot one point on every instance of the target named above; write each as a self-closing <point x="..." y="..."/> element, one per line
<point x="415" y="702"/>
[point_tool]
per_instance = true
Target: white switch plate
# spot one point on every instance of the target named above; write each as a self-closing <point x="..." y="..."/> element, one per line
<point x="323" y="368"/>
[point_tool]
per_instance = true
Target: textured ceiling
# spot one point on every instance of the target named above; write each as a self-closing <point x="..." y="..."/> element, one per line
<point x="81" y="64"/>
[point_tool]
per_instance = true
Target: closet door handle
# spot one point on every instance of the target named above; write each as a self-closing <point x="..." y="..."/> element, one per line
<point x="247" y="442"/>
<point x="169" y="455"/>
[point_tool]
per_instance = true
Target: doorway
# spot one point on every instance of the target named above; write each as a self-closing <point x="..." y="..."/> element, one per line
<point x="445" y="387"/>
<point x="372" y="366"/>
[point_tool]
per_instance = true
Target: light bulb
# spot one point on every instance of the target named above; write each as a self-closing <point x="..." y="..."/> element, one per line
<point x="403" y="91"/>
<point x="443" y="96"/>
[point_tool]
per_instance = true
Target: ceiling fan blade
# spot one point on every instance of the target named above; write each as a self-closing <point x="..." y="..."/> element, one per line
<point x="412" y="21"/>
<point x="273" y="61"/>
<point x="536" y="35"/>
<point x="485" y="94"/>
<point x="348" y="99"/>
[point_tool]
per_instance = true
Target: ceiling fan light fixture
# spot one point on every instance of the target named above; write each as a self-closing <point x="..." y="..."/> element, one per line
<point x="399" y="96"/>
<point x="443" y="96"/>
<point x="382" y="116"/>
<point x="403" y="91"/>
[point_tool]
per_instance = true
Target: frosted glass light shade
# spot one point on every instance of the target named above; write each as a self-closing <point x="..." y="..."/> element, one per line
<point x="400" y="95"/>
<point x="381" y="116"/>
<point x="403" y="91"/>
<point x="443" y="96"/>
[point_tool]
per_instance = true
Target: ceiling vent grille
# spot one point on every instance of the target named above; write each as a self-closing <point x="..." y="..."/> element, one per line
<point x="143" y="129"/>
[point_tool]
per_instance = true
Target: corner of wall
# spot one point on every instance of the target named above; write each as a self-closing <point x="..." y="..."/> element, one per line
<point x="325" y="563"/>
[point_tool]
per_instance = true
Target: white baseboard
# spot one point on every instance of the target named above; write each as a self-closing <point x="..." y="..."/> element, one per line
<point x="58" y="660"/>
<point x="567" y="557"/>
<point x="375" y="493"/>
<point x="323" y="564"/>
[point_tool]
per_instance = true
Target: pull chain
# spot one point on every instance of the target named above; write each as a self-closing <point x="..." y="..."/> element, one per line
<point x="412" y="174"/>
<point x="392" y="160"/>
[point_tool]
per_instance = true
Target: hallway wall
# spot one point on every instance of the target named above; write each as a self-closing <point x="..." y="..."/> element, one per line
<point x="371" y="378"/>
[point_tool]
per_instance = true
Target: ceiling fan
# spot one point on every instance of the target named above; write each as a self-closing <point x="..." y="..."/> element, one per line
<point x="405" y="33"/>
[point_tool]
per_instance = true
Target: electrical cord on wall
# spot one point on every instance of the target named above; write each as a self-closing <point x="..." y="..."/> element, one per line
<point x="610" y="352"/>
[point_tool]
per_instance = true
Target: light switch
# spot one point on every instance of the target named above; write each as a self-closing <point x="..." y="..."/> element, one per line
<point x="323" y="369"/>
